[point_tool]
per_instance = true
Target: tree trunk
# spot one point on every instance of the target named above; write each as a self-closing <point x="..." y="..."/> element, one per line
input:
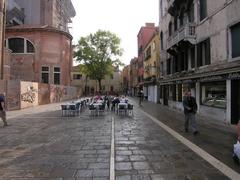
<point x="100" y="85"/>
<point x="86" y="85"/>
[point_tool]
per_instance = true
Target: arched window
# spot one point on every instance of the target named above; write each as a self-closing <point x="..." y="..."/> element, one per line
<point x="20" y="45"/>
<point x="161" y="40"/>
<point x="170" y="29"/>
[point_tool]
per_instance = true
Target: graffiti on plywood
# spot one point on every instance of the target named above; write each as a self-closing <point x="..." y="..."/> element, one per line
<point x="30" y="95"/>
<point x="57" y="93"/>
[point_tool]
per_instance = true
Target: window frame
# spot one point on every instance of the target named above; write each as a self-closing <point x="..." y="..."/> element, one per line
<point x="25" y="44"/>
<point x="48" y="72"/>
<point x="56" y="72"/>
<point x="230" y="42"/>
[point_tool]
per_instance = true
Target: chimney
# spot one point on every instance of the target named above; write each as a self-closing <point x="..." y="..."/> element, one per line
<point x="150" y="24"/>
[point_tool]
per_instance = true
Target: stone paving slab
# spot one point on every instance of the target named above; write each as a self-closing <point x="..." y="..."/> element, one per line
<point x="42" y="145"/>
<point x="47" y="146"/>
<point x="215" y="138"/>
<point x="146" y="151"/>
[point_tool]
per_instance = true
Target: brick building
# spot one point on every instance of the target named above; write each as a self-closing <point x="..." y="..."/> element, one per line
<point x="133" y="76"/>
<point x="37" y="34"/>
<point x="151" y="68"/>
<point x="144" y="35"/>
<point x="200" y="52"/>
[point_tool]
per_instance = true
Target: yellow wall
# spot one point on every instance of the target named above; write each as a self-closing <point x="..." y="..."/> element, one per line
<point x="149" y="68"/>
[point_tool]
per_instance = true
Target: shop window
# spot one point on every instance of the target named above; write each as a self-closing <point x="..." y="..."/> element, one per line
<point x="179" y="92"/>
<point x="45" y="74"/>
<point x="235" y="35"/>
<point x="203" y="53"/>
<point x="214" y="94"/>
<point x="57" y="75"/>
<point x="203" y="9"/>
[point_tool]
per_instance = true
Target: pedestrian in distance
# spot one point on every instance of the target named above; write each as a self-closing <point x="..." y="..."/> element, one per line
<point x="190" y="110"/>
<point x="140" y="94"/>
<point x="3" y="109"/>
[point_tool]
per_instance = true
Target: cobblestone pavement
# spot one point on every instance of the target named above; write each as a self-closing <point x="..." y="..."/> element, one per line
<point x="46" y="146"/>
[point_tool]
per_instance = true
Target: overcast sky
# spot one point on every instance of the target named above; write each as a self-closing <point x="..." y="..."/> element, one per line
<point x="122" y="17"/>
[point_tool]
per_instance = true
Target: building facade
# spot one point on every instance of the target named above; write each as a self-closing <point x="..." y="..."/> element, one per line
<point x="86" y="86"/>
<point x="152" y="68"/>
<point x="144" y="35"/>
<point x="38" y="37"/>
<point x="133" y="77"/>
<point x="200" y="52"/>
<point x="126" y="80"/>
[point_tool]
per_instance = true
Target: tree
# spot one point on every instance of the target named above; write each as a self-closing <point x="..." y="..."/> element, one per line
<point x="99" y="53"/>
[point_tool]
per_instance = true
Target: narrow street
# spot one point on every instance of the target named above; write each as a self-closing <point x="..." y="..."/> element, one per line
<point x="40" y="144"/>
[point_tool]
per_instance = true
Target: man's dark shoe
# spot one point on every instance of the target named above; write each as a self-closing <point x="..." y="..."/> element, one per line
<point x="186" y="130"/>
<point x="195" y="132"/>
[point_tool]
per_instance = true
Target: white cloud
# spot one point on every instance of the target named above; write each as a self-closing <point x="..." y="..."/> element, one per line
<point x="123" y="17"/>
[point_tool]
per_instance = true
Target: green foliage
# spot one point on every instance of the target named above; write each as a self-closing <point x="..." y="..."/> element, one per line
<point x="98" y="53"/>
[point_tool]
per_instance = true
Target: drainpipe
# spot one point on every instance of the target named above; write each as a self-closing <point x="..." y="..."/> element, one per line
<point x="3" y="36"/>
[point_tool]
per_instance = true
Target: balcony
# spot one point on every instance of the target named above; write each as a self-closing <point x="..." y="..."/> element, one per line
<point x="185" y="33"/>
<point x="150" y="70"/>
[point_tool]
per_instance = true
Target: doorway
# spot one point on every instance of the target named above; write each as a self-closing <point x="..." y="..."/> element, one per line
<point x="235" y="101"/>
<point x="165" y="95"/>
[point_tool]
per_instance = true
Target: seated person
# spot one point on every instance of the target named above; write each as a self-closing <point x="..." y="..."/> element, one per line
<point x="114" y="102"/>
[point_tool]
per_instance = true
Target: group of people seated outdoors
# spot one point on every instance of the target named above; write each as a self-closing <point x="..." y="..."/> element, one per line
<point x="113" y="103"/>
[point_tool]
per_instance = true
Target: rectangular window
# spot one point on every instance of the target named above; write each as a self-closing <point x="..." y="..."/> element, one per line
<point x="214" y="94"/>
<point x="45" y="74"/>
<point x="235" y="37"/>
<point x="203" y="9"/>
<point x="56" y="74"/>
<point x="148" y="53"/>
<point x="193" y="57"/>
<point x="168" y="66"/>
<point x="203" y="53"/>
<point x="77" y="76"/>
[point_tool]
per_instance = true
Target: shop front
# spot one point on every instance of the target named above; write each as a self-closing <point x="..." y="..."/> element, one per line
<point x="218" y="96"/>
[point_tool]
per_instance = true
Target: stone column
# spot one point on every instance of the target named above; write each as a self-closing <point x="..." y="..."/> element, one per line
<point x="228" y="99"/>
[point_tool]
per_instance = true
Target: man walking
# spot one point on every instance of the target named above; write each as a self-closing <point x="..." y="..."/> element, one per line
<point x="190" y="109"/>
<point x="2" y="109"/>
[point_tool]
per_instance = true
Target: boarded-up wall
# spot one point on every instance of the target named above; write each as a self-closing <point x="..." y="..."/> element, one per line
<point x="43" y="94"/>
<point x="23" y="94"/>
<point x="29" y="94"/>
<point x="13" y="95"/>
